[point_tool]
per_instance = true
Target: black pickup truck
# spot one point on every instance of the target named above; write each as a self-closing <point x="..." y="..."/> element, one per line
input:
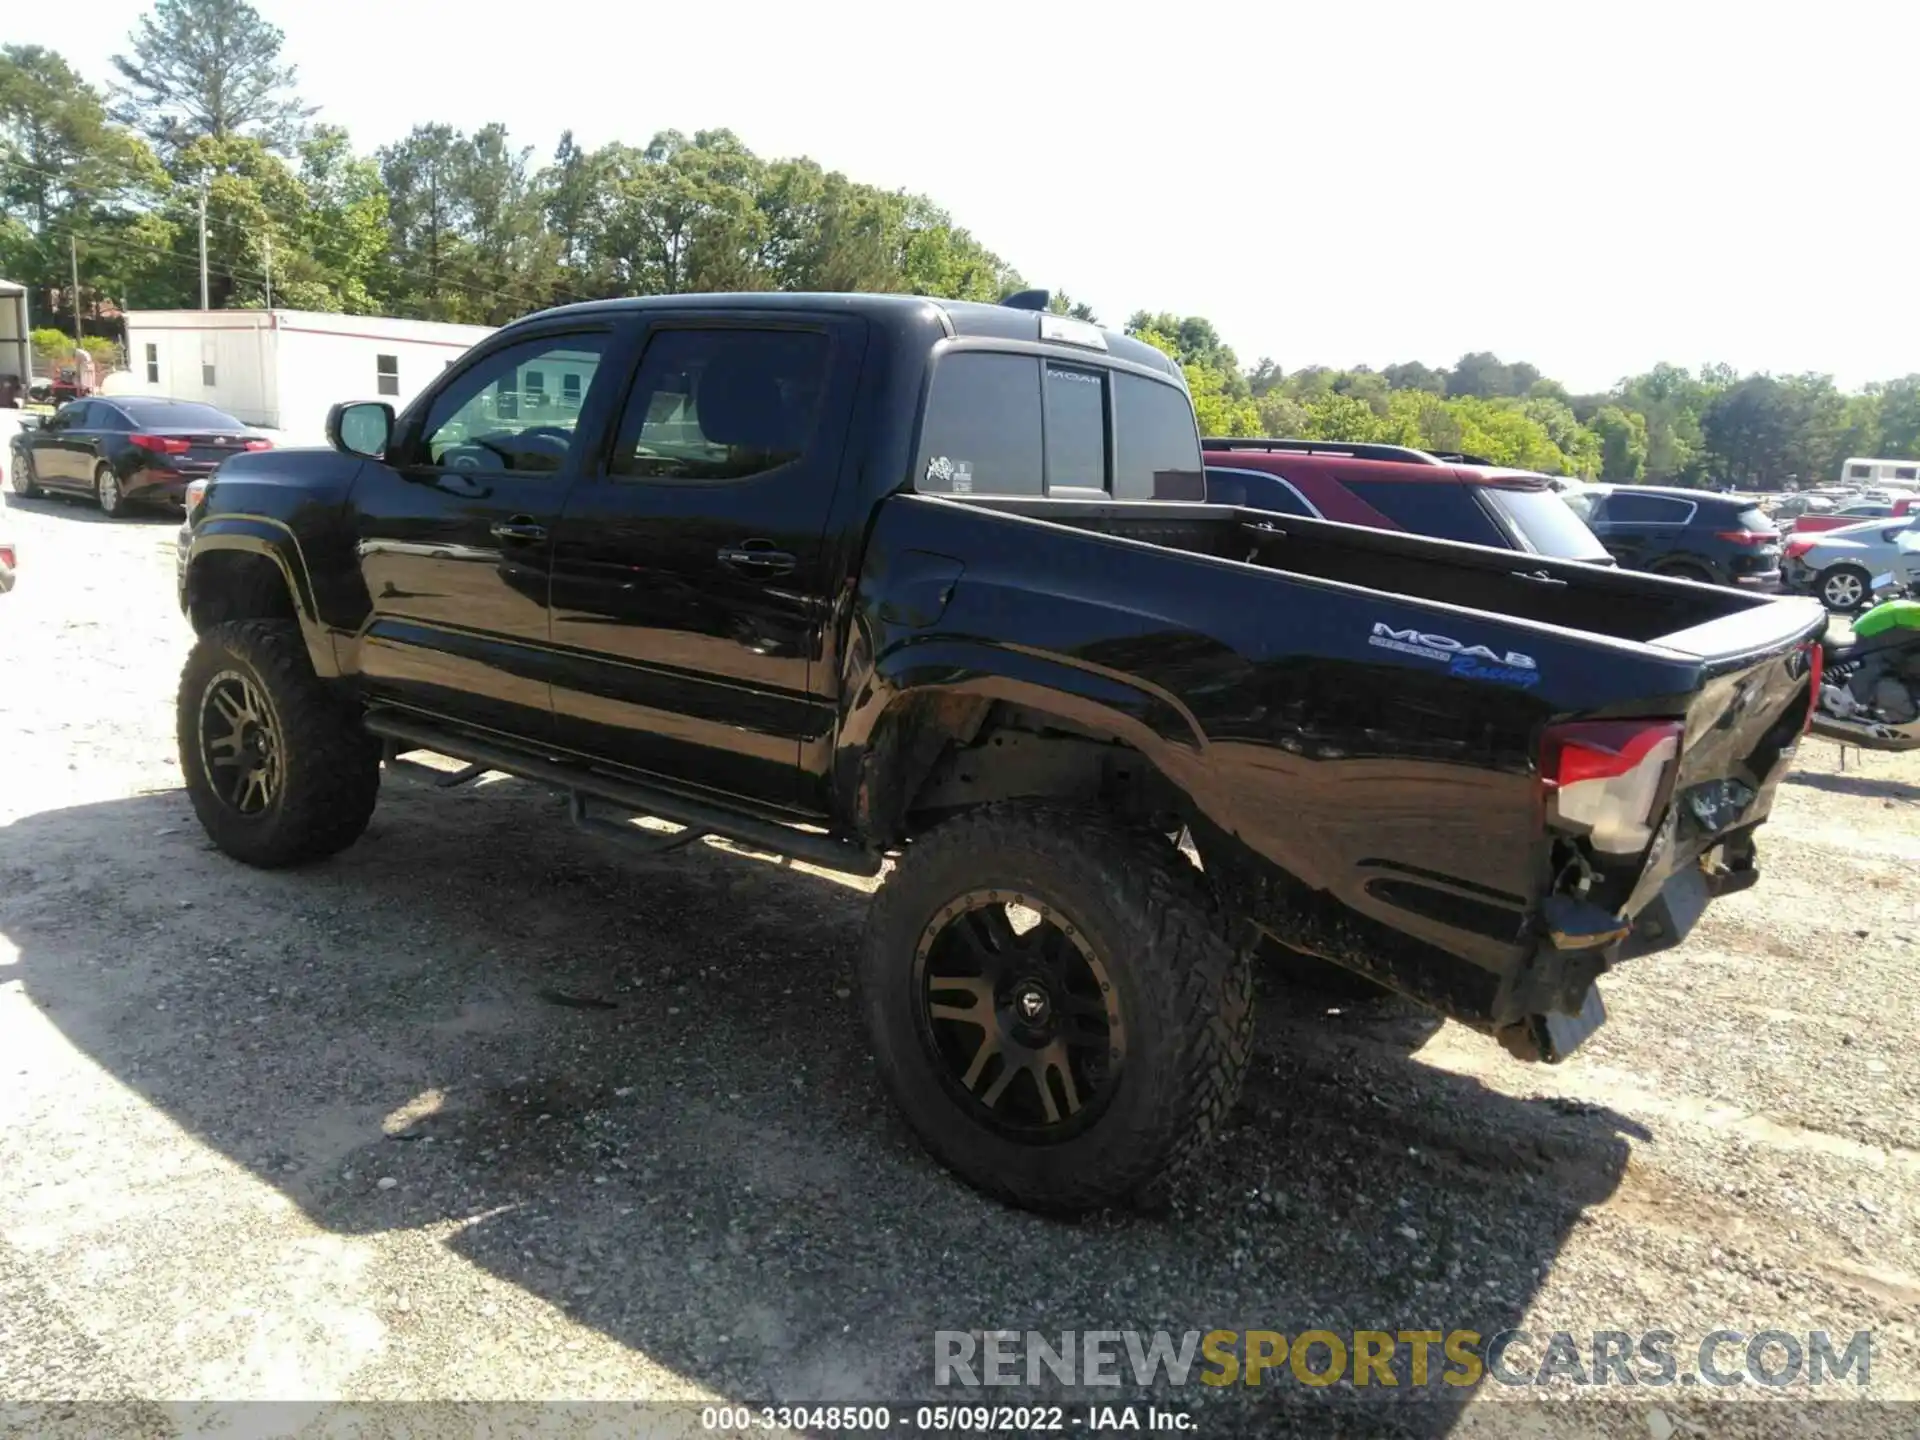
<point x="859" y="578"/>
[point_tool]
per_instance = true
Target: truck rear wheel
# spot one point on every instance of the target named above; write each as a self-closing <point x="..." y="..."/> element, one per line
<point x="1054" y="1004"/>
<point x="278" y="769"/>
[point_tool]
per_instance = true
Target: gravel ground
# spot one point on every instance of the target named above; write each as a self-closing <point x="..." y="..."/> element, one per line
<point x="489" y="1110"/>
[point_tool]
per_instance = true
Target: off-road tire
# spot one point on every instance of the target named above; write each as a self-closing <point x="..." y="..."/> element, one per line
<point x="102" y="473"/>
<point x="330" y="765"/>
<point x="1185" y="991"/>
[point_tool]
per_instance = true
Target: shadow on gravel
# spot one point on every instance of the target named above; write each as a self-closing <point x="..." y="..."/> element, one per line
<point x="79" y="507"/>
<point x="1862" y="785"/>
<point x="642" y="1082"/>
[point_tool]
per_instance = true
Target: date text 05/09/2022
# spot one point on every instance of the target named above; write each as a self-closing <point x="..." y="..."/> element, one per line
<point x="947" y="1419"/>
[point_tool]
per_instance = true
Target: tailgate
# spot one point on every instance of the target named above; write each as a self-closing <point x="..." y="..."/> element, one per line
<point x="1741" y="728"/>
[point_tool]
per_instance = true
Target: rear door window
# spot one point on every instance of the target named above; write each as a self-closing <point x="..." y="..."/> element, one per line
<point x="1156" y="443"/>
<point x="1625" y="508"/>
<point x="717" y="405"/>
<point x="982" y="432"/>
<point x="1444" y="509"/>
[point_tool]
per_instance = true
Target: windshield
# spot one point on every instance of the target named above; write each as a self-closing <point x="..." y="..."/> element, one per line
<point x="1546" y="523"/>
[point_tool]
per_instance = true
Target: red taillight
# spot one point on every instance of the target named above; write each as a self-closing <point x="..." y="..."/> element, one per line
<point x="6" y="556"/>
<point x="1755" y="538"/>
<point x="161" y="444"/>
<point x="259" y="444"/>
<point x="1796" y="548"/>
<point x="1816" y="669"/>
<point x="1609" y="778"/>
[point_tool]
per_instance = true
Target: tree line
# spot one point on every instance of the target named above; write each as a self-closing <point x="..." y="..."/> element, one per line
<point x="453" y="225"/>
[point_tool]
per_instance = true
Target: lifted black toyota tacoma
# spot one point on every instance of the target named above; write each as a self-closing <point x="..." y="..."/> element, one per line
<point x="851" y="578"/>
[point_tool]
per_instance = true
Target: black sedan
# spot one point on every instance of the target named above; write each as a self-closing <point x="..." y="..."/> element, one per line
<point x="128" y="450"/>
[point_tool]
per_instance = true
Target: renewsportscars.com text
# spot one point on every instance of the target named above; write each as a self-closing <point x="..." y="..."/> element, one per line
<point x="1401" y="1359"/>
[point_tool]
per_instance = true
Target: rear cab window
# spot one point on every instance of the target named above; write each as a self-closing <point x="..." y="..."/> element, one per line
<point x="1625" y="508"/>
<point x="1020" y="424"/>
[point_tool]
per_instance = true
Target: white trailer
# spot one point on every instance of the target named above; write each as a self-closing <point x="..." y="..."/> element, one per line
<point x="16" y="350"/>
<point x="282" y="369"/>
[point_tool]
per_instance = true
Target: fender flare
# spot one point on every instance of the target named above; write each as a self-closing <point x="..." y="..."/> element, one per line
<point x="922" y="694"/>
<point x="275" y="541"/>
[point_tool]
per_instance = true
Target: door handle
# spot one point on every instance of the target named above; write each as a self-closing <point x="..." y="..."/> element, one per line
<point x="520" y="527"/>
<point x="756" y="557"/>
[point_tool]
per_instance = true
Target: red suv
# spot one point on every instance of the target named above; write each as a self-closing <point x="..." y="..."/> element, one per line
<point x="1391" y="487"/>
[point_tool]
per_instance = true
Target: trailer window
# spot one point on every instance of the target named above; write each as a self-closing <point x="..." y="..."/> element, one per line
<point x="386" y="374"/>
<point x="207" y="375"/>
<point x="153" y="364"/>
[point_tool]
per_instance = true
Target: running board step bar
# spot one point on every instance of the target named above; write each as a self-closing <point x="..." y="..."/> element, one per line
<point x="827" y="851"/>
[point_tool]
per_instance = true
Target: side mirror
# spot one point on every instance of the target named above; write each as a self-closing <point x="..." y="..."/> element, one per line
<point x="363" y="428"/>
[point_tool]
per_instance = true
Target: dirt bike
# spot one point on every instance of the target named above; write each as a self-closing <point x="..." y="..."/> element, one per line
<point x="1870" y="686"/>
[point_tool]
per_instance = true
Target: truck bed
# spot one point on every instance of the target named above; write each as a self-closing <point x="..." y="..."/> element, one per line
<point x="1361" y="709"/>
<point x="1596" y="600"/>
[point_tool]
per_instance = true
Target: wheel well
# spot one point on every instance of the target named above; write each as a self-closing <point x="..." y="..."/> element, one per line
<point x="236" y="585"/>
<point x="1012" y="752"/>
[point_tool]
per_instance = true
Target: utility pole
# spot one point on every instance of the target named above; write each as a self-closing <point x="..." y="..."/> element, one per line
<point x="73" y="254"/>
<point x="203" y="243"/>
<point x="269" y="269"/>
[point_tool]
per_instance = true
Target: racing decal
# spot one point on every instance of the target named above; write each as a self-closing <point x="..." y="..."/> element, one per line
<point x="1474" y="662"/>
<point x="1472" y="667"/>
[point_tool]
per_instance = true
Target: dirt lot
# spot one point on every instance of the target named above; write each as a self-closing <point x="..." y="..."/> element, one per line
<point x="486" y="1109"/>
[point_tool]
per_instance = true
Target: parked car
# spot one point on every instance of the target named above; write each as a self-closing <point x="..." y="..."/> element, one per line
<point x="1688" y="534"/>
<point x="9" y="562"/>
<point x="1392" y="487"/>
<point x="129" y="450"/>
<point x="1853" y="514"/>
<point x="1839" y="566"/>
<point x="845" y="577"/>
<point x="1792" y="507"/>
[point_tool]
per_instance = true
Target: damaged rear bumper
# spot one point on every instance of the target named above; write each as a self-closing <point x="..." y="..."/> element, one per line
<point x="1555" y="995"/>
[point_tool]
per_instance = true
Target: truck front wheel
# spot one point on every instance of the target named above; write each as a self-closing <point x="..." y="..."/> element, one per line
<point x="278" y="769"/>
<point x="1054" y="1004"/>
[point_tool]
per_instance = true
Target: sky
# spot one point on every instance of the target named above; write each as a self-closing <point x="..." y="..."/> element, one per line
<point x="1591" y="188"/>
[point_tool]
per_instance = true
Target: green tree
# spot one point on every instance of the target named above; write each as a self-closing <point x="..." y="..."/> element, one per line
<point x="1623" y="444"/>
<point x="67" y="175"/>
<point x="1341" y="417"/>
<point x="1061" y="303"/>
<point x="1412" y="375"/>
<point x="1897" y="413"/>
<point x="1749" y="431"/>
<point x="207" y="69"/>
